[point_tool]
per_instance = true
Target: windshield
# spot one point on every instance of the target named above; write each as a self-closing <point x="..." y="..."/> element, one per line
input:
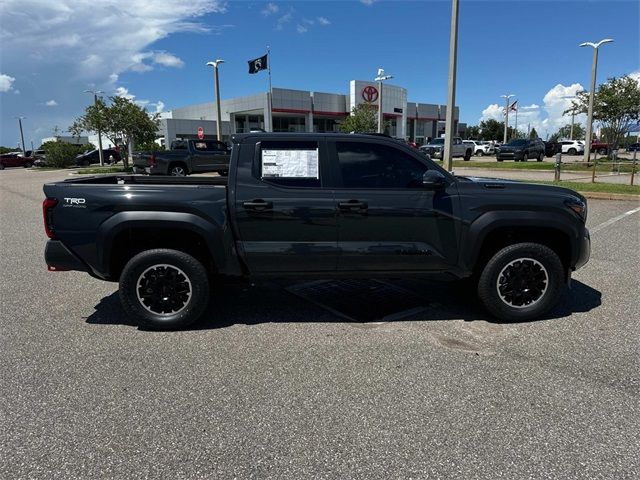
<point x="437" y="141"/>
<point x="517" y="143"/>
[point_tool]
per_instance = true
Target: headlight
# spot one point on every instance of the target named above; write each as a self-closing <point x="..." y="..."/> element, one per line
<point x="578" y="206"/>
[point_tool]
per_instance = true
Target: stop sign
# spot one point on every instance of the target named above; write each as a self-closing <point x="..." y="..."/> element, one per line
<point x="200" y="133"/>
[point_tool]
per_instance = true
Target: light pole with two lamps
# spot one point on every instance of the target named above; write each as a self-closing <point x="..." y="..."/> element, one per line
<point x="506" y="118"/>
<point x="217" y="93"/>
<point x="594" y="68"/>
<point x="380" y="78"/>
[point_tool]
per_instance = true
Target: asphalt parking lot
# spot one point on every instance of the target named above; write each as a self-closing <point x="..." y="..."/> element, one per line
<point x="272" y="386"/>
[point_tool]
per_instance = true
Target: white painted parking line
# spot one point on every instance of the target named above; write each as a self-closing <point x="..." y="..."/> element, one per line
<point x="614" y="220"/>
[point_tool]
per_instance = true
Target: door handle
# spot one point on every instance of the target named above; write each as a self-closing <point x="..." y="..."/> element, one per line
<point x="258" y="204"/>
<point x="352" y="205"/>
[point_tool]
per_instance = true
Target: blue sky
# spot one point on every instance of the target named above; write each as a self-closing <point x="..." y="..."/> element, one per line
<point x="155" y="52"/>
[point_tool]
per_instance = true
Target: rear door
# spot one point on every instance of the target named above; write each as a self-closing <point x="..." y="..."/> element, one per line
<point x="208" y="155"/>
<point x="284" y="211"/>
<point x="388" y="222"/>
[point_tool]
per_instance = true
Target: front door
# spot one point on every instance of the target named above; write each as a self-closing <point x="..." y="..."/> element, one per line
<point x="388" y="222"/>
<point x="284" y="212"/>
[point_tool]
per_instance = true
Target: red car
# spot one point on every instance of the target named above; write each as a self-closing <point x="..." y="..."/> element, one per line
<point x="600" y="147"/>
<point x="15" y="160"/>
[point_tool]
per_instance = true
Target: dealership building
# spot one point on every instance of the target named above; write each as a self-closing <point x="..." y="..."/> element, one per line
<point x="306" y="111"/>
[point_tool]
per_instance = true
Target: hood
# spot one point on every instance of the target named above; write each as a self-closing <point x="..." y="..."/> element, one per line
<point x="522" y="186"/>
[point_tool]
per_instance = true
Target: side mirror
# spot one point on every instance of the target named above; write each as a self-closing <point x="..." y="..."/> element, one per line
<point x="433" y="180"/>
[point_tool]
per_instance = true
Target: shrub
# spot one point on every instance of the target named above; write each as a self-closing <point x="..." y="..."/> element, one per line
<point x="61" y="154"/>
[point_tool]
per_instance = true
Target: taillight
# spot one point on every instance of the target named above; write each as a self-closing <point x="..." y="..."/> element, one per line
<point x="151" y="160"/>
<point x="47" y="214"/>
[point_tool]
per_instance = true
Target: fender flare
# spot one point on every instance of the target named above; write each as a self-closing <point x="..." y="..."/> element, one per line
<point x="491" y="221"/>
<point x="211" y="233"/>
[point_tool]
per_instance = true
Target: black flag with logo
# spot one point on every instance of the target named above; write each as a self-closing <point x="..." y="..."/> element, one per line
<point x="258" y="64"/>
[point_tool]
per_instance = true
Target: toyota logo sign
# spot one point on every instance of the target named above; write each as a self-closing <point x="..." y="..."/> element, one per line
<point x="370" y="94"/>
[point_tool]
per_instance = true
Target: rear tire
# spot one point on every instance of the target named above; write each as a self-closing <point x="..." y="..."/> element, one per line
<point x="541" y="157"/>
<point x="467" y="155"/>
<point x="1" y="166"/>
<point x="572" y="151"/>
<point x="521" y="282"/>
<point x="480" y="153"/>
<point x="164" y="289"/>
<point x="178" y="170"/>
<point x="525" y="157"/>
<point x="602" y="151"/>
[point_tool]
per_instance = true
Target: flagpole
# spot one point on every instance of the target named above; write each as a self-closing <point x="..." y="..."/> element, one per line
<point x="516" y="132"/>
<point x="270" y="88"/>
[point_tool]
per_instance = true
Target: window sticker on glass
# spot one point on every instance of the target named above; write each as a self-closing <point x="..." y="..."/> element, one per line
<point x="290" y="163"/>
<point x="201" y="146"/>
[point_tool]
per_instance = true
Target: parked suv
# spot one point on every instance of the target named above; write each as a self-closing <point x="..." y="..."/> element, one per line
<point x="479" y="148"/>
<point x="572" y="147"/>
<point x="521" y="150"/>
<point x="110" y="156"/>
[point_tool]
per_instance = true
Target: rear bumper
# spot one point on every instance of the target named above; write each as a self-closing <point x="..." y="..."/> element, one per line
<point x="58" y="257"/>
<point x="510" y="155"/>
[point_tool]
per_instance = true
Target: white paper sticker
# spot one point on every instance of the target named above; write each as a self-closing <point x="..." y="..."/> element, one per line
<point x="290" y="163"/>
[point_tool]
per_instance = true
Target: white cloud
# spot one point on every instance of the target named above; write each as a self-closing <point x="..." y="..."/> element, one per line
<point x="159" y="106"/>
<point x="323" y="21"/>
<point x="124" y="92"/>
<point x="301" y="29"/>
<point x="51" y="103"/>
<point x="6" y="82"/>
<point x="270" y="9"/>
<point x="635" y="76"/>
<point x="367" y="2"/>
<point x="284" y="19"/>
<point x="167" y="60"/>
<point x="546" y="118"/>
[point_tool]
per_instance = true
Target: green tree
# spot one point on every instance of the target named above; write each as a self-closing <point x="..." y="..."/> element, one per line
<point x="494" y="130"/>
<point x="62" y="154"/>
<point x="363" y="119"/>
<point x="533" y="134"/>
<point x="565" y="132"/>
<point x="4" y="150"/>
<point x="472" y="132"/>
<point x="616" y="105"/>
<point x="123" y="122"/>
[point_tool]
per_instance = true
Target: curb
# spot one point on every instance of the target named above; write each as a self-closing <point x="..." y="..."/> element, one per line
<point x="609" y="196"/>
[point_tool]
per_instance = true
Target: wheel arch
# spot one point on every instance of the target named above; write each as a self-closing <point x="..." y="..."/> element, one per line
<point x="494" y="231"/>
<point x="128" y="233"/>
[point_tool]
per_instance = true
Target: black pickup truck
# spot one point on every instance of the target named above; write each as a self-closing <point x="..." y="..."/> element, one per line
<point x="184" y="158"/>
<point x="316" y="205"/>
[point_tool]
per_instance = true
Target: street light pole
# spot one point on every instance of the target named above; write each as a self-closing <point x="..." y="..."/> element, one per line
<point x="506" y="112"/>
<point x="381" y="76"/>
<point x="451" y="96"/>
<point x="594" y="68"/>
<point x="95" y="103"/>
<point x="21" y="134"/>
<point x="217" y="92"/>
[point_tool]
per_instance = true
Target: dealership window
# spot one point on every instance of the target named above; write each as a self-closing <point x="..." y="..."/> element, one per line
<point x="288" y="124"/>
<point x="371" y="165"/>
<point x="325" y="125"/>
<point x="290" y="163"/>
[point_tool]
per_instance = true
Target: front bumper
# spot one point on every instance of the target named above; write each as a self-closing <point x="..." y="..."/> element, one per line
<point x="585" y="250"/>
<point x="59" y="258"/>
<point x="510" y="155"/>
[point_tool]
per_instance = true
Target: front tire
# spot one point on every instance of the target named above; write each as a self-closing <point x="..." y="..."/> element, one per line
<point x="525" y="157"/>
<point x="164" y="289"/>
<point x="572" y="151"/>
<point x="541" y="157"/>
<point x="467" y="155"/>
<point x="480" y="153"/>
<point x="521" y="282"/>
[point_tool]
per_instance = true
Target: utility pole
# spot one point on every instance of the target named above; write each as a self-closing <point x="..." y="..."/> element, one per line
<point x="506" y="112"/>
<point x="21" y="134"/>
<point x="594" y="68"/>
<point x="217" y="92"/>
<point x="381" y="76"/>
<point x="95" y="103"/>
<point x="451" y="95"/>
